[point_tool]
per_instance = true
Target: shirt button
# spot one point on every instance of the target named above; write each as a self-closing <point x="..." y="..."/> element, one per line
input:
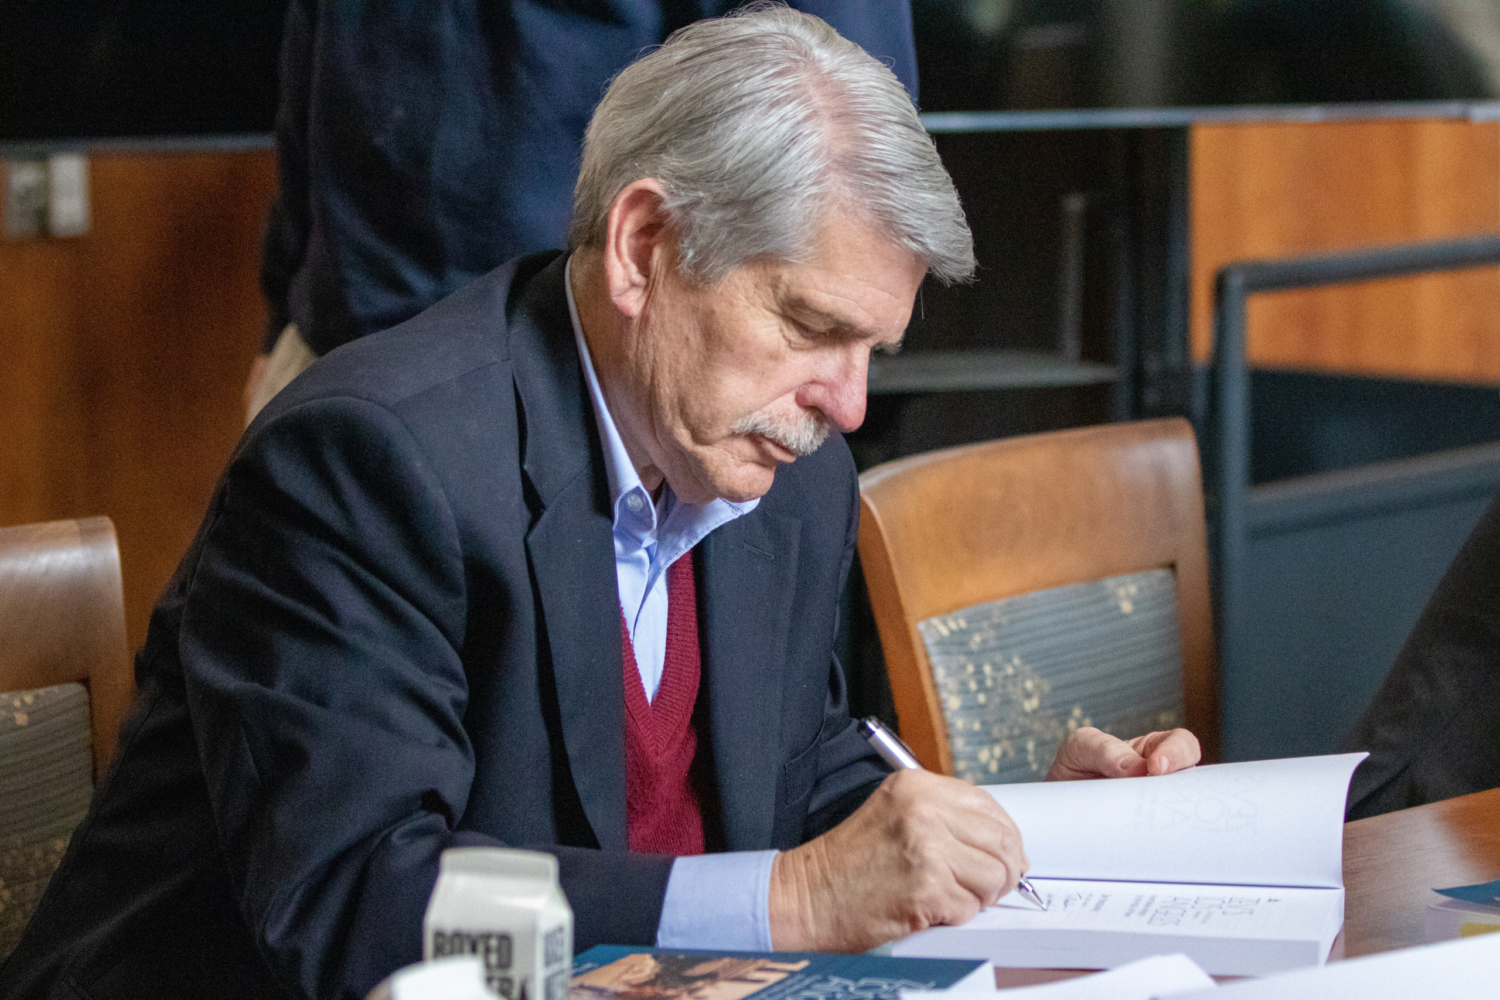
<point x="634" y="502"/>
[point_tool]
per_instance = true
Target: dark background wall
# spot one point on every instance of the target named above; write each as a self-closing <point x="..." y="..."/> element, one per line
<point x="89" y="68"/>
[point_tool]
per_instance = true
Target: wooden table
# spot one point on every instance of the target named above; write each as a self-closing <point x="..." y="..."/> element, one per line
<point x="1393" y="862"/>
<point x="1391" y="865"/>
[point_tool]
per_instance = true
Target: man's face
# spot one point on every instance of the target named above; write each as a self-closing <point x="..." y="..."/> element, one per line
<point x="737" y="378"/>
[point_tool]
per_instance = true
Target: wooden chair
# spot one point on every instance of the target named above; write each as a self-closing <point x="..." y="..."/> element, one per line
<point x="1061" y="548"/>
<point x="64" y="684"/>
<point x="62" y="618"/>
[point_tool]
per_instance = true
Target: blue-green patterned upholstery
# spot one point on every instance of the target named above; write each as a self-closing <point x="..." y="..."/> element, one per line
<point x="46" y="780"/>
<point x="1015" y="676"/>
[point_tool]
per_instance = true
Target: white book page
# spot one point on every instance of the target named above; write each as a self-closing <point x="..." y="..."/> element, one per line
<point x="1457" y="969"/>
<point x="1147" y="979"/>
<point x="1217" y="911"/>
<point x="1268" y="822"/>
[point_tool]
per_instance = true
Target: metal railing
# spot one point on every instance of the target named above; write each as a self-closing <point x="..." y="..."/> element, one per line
<point x="1228" y="441"/>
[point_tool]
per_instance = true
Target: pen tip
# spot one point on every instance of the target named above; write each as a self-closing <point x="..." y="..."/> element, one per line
<point x="1029" y="891"/>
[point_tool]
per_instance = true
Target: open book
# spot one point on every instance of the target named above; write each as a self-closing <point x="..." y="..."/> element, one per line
<point x="1237" y="866"/>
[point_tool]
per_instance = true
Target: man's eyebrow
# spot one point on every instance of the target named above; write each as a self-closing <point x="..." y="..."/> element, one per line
<point x="807" y="309"/>
<point x="834" y="322"/>
<point x="831" y="321"/>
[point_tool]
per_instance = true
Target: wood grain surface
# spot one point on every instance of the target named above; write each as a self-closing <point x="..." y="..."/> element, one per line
<point x="1277" y="190"/>
<point x="123" y="354"/>
<point x="62" y="618"/>
<point x="1393" y="862"/>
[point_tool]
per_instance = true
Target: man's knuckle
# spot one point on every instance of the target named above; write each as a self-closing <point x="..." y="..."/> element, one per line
<point x="929" y="859"/>
<point x="937" y="873"/>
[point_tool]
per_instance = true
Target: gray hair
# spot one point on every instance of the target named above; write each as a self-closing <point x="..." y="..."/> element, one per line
<point x="758" y="124"/>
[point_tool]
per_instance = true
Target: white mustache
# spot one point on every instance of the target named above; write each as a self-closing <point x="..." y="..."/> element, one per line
<point x="801" y="435"/>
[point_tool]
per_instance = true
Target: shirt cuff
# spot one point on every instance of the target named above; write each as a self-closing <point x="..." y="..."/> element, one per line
<point x="720" y="902"/>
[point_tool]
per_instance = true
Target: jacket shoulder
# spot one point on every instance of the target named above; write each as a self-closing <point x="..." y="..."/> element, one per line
<point x="466" y="331"/>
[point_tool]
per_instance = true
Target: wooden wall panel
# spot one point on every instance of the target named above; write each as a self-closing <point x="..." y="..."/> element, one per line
<point x="1273" y="190"/>
<point x="123" y="354"/>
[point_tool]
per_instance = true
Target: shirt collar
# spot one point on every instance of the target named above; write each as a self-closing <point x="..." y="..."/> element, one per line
<point x="630" y="503"/>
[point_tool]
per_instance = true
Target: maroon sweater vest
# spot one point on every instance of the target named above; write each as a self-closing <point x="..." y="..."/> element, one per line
<point x="663" y="811"/>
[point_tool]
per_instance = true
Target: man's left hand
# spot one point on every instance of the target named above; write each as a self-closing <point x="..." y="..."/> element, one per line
<point x="1090" y="753"/>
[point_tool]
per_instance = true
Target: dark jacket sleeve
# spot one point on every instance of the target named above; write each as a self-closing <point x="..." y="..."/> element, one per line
<point x="1433" y="730"/>
<point x="285" y="242"/>
<point x="321" y="645"/>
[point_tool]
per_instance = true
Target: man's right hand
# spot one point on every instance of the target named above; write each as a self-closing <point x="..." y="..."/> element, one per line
<point x="923" y="850"/>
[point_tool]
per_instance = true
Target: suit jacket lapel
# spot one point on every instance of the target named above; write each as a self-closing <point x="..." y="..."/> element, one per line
<point x="571" y="547"/>
<point x="749" y="569"/>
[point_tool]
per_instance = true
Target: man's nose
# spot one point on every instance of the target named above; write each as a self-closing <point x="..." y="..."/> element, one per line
<point x="840" y="391"/>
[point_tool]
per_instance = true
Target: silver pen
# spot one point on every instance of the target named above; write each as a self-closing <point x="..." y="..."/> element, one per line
<point x="897" y="754"/>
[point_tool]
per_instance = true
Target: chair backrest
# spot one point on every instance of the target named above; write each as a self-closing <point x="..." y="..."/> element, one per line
<point x="62" y="618"/>
<point x="1006" y="572"/>
<point x="64" y="683"/>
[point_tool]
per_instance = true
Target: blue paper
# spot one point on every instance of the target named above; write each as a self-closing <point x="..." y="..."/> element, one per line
<point x="1485" y="892"/>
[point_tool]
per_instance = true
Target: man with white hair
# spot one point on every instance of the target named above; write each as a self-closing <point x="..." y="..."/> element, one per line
<point x="555" y="565"/>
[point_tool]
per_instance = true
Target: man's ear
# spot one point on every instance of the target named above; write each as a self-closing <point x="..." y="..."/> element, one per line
<point x="636" y="238"/>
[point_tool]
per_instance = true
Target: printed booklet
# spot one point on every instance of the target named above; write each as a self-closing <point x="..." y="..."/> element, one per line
<point x="616" y="972"/>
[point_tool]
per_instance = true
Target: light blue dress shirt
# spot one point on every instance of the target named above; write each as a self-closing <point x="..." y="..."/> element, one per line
<point x="716" y="901"/>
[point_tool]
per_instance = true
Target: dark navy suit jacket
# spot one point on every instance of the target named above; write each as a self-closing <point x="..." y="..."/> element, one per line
<point x="421" y="145"/>
<point x="397" y="632"/>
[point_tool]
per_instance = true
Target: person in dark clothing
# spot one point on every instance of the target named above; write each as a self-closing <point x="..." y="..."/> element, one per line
<point x="1433" y="729"/>
<point x="420" y="147"/>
